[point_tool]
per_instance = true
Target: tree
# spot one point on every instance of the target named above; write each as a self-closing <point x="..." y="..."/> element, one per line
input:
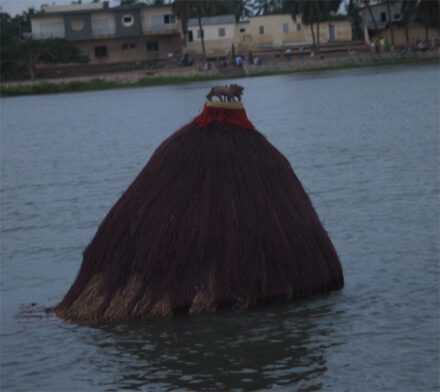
<point x="370" y="11"/>
<point x="352" y="11"/>
<point x="19" y="56"/>
<point x="427" y="13"/>
<point x="238" y="8"/>
<point x="186" y="9"/>
<point x="129" y="3"/>
<point x="390" y="21"/>
<point x="268" y="7"/>
<point x="408" y="15"/>
<point x="313" y="13"/>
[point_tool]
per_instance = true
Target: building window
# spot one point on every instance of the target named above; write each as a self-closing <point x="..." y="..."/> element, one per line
<point x="200" y="33"/>
<point x="77" y="24"/>
<point x="383" y="17"/>
<point x="261" y="29"/>
<point x="128" y="20"/>
<point x="152" y="46"/>
<point x="101" y="51"/>
<point x="128" y="45"/>
<point x="242" y="30"/>
<point x="190" y="36"/>
<point x="221" y="32"/>
<point x="285" y="27"/>
<point x="169" y="19"/>
<point x="298" y="27"/>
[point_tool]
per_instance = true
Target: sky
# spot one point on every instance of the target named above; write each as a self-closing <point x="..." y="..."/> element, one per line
<point x="13" y="7"/>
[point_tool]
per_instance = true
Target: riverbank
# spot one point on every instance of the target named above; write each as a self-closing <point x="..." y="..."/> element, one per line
<point x="180" y="76"/>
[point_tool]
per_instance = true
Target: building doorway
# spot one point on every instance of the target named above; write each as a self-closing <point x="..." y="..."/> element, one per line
<point x="331" y="32"/>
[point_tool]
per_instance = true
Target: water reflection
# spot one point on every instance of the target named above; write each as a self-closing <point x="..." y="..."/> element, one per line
<point x="276" y="346"/>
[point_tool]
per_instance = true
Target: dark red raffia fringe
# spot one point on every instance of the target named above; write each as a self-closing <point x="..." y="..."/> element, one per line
<point x="211" y="114"/>
<point x="216" y="218"/>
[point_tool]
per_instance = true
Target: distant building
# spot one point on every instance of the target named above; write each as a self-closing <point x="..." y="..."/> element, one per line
<point x="283" y="30"/>
<point x="218" y="33"/>
<point x="375" y="15"/>
<point x="112" y="35"/>
<point x="411" y="35"/>
<point x="379" y="16"/>
<point x="260" y="32"/>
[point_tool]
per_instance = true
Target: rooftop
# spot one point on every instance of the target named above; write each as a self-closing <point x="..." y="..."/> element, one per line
<point x="212" y="20"/>
<point x="49" y="9"/>
<point x="60" y="10"/>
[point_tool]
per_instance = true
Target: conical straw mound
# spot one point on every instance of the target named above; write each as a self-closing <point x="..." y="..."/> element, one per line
<point x="216" y="218"/>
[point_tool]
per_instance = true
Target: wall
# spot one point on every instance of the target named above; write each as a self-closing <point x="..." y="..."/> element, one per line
<point x="342" y="30"/>
<point x="283" y="31"/>
<point x="103" y="25"/>
<point x="153" y="21"/>
<point x="377" y="11"/>
<point x="131" y="49"/>
<point x="106" y="24"/>
<point x="274" y="34"/>
<point x="78" y="26"/>
<point x="215" y="45"/>
<point x="48" y="27"/>
<point x="416" y="34"/>
<point x="124" y="29"/>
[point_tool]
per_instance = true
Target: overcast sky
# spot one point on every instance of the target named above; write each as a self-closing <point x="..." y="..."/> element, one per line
<point x="13" y="7"/>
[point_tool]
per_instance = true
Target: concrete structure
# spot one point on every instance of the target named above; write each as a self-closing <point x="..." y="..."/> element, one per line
<point x="416" y="33"/>
<point x="260" y="32"/>
<point x="112" y="35"/>
<point x="218" y="31"/>
<point x="379" y="13"/>
<point x="282" y="31"/>
<point x="377" y="16"/>
<point x="278" y="31"/>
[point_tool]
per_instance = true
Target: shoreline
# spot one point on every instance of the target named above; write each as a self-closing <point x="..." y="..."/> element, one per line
<point x="109" y="81"/>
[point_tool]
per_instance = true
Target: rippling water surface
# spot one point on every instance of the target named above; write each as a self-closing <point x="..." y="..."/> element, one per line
<point x="365" y="144"/>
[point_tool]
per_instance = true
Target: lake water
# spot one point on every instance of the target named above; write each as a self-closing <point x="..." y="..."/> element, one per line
<point x="365" y="144"/>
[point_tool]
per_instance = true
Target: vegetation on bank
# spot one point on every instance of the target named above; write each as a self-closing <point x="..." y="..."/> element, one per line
<point x="99" y="84"/>
<point x="19" y="57"/>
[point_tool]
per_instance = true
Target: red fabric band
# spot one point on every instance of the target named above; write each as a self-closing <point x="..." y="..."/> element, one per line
<point x="231" y="116"/>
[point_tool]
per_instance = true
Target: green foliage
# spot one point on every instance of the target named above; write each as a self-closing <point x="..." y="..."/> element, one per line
<point x="354" y="16"/>
<point x="18" y="56"/>
<point x="129" y="3"/>
<point x="428" y="13"/>
<point x="186" y="9"/>
<point x="97" y="84"/>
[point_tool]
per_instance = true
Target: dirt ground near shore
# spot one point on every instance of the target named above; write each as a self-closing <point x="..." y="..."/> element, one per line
<point x="275" y="65"/>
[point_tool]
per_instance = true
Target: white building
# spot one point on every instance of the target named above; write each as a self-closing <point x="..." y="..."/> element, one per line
<point x="218" y="33"/>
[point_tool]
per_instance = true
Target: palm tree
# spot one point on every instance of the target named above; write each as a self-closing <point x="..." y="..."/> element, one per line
<point x="390" y="21"/>
<point x="313" y="12"/>
<point x="408" y="15"/>
<point x="186" y="9"/>
<point x="267" y="7"/>
<point x="370" y="11"/>
<point x="427" y="12"/>
<point x="352" y="11"/>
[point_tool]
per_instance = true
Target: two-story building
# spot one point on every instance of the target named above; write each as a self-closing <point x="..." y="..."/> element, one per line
<point x="385" y="19"/>
<point x="378" y="14"/>
<point x="112" y="34"/>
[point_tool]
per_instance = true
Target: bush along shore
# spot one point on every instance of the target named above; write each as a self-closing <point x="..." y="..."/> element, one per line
<point x="106" y="82"/>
